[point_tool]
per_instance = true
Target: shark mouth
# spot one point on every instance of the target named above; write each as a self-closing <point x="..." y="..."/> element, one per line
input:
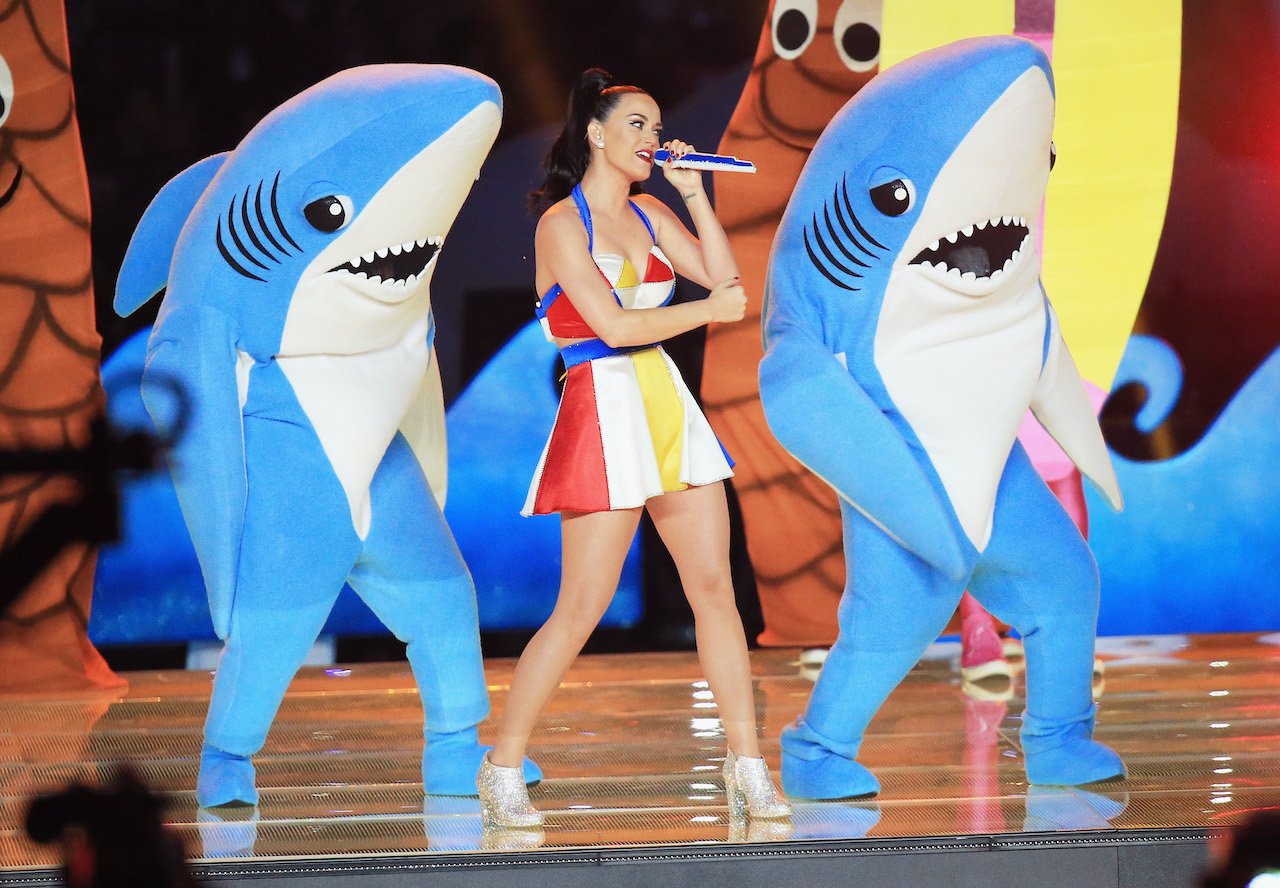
<point x="13" y="187"/>
<point x="394" y="265"/>
<point x="982" y="251"/>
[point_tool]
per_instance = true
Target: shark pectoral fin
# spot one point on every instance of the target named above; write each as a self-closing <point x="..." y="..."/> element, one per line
<point x="1061" y="405"/>
<point x="145" y="270"/>
<point x="424" y="428"/>
<point x="191" y="390"/>
<point x="830" y="424"/>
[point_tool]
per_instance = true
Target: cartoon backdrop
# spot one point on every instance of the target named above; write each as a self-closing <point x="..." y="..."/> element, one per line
<point x="1165" y="194"/>
<point x="48" y="345"/>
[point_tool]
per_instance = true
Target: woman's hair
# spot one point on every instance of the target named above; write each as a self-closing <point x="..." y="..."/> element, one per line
<point x="592" y="99"/>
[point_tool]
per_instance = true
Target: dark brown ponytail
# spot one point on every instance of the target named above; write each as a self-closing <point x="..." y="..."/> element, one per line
<point x="566" y="163"/>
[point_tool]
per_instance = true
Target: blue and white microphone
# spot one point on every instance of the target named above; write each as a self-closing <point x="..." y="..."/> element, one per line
<point x="720" y="163"/>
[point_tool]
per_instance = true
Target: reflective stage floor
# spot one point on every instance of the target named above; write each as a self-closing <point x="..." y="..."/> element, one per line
<point x="632" y="747"/>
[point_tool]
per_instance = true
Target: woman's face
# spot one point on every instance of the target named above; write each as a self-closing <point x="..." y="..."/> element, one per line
<point x="630" y="133"/>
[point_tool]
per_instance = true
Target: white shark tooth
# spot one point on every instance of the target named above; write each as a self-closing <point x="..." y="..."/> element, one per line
<point x="354" y="263"/>
<point x="999" y="272"/>
<point x="407" y="247"/>
<point x="375" y="279"/>
<point x="982" y="225"/>
<point x="933" y="246"/>
<point x="394" y="249"/>
<point x="969" y="276"/>
<point x="1006" y="220"/>
<point x="953" y="236"/>
<point x="382" y="253"/>
<point x="1022" y="220"/>
<point x="438" y="240"/>
<point x="367" y="257"/>
<point x="420" y="243"/>
<point x="968" y="231"/>
<point x="954" y="272"/>
<point x="1016" y="254"/>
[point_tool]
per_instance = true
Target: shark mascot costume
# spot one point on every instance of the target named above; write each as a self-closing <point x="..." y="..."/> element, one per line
<point x="907" y="333"/>
<point x="297" y="322"/>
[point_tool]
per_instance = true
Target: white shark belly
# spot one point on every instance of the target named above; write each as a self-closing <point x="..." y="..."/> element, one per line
<point x="356" y="403"/>
<point x="963" y="378"/>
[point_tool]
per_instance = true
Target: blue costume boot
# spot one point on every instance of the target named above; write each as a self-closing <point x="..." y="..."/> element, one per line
<point x="225" y="779"/>
<point x="450" y="762"/>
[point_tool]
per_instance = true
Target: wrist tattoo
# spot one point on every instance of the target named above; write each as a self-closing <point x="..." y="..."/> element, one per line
<point x="690" y="196"/>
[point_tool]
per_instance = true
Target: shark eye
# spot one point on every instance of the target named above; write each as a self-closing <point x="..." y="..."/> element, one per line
<point x="794" y="24"/>
<point x="894" y="197"/>
<point x="6" y="91"/>
<point x="328" y="213"/>
<point x="857" y="34"/>
<point x="1053" y="154"/>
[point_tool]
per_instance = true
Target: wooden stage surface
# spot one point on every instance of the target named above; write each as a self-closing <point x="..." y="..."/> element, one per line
<point x="632" y="746"/>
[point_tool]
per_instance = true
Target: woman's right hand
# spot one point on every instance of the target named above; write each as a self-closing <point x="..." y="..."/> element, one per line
<point x="728" y="302"/>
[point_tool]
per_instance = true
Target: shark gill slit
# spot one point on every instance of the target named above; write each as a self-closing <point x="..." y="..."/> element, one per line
<point x="838" y="241"/>
<point x="848" y="204"/>
<point x="262" y="220"/>
<point x="275" y="211"/>
<point x="235" y="236"/>
<point x="835" y="199"/>
<point x="826" y="251"/>
<point x="248" y="226"/>
<point x="817" y="263"/>
<point x="222" y="248"/>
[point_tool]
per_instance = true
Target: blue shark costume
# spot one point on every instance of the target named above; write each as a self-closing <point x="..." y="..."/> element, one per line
<point x="906" y="334"/>
<point x="297" y="321"/>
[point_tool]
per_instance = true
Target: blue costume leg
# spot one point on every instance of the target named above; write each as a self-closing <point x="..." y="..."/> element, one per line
<point x="1038" y="575"/>
<point x="413" y="577"/>
<point x="894" y="605"/>
<point x="298" y="547"/>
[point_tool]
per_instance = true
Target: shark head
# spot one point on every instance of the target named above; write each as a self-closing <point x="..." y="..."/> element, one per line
<point x="931" y="177"/>
<point x="320" y="232"/>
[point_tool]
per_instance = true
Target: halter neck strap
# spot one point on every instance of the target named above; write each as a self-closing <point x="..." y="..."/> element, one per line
<point x="584" y="213"/>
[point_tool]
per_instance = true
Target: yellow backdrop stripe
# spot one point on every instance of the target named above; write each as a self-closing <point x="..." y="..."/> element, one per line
<point x="1117" y="67"/>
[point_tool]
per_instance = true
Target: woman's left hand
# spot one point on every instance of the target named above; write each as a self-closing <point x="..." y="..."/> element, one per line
<point x="687" y="182"/>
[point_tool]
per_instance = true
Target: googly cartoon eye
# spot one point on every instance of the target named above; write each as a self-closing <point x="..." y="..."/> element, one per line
<point x="1053" y="154"/>
<point x="857" y="34"/>
<point x="795" y="22"/>
<point x="6" y="90"/>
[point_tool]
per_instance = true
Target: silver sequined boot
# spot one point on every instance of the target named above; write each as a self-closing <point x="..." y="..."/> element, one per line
<point x="504" y="800"/>
<point x="750" y="789"/>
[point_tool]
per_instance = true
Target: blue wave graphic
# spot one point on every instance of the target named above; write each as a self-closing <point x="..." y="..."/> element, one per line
<point x="1197" y="547"/>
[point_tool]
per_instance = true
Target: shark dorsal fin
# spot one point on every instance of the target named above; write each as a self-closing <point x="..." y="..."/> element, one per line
<point x="145" y="271"/>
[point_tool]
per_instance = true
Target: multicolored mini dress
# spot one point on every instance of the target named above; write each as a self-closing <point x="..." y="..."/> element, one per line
<point x="627" y="428"/>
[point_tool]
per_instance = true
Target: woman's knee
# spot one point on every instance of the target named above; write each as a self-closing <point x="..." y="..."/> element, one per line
<point x="710" y="594"/>
<point x="577" y="619"/>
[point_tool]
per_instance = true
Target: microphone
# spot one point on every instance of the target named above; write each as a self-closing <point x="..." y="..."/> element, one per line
<point x="720" y="163"/>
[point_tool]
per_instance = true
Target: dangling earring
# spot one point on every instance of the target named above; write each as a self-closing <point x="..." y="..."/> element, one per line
<point x="598" y="141"/>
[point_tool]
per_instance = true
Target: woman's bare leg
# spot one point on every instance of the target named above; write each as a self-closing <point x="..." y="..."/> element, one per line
<point x="694" y="523"/>
<point x="594" y="546"/>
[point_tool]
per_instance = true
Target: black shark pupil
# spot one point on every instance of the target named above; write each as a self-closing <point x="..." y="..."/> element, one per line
<point x="1053" y="154"/>
<point x="893" y="198"/>
<point x="861" y="42"/>
<point x="792" y="30"/>
<point x="326" y="214"/>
